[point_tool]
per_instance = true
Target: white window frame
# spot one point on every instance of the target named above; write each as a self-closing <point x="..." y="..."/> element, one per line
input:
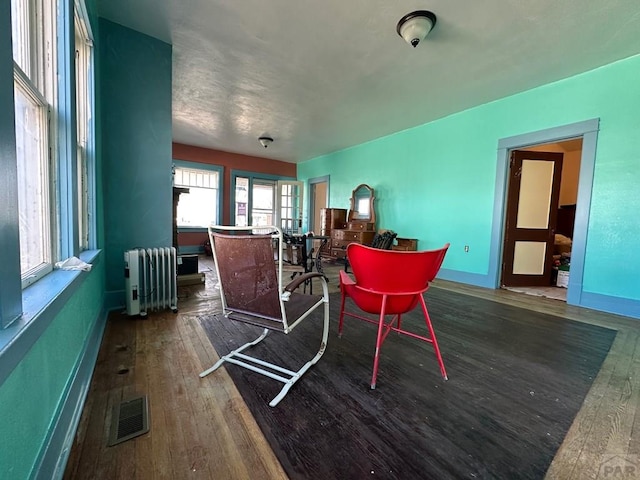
<point x="84" y="123"/>
<point x="199" y="170"/>
<point x="34" y="23"/>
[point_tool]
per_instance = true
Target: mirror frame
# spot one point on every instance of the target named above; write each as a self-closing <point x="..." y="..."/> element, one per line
<point x="355" y="195"/>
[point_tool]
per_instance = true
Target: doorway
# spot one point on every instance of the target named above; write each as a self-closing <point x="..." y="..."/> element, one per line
<point x="318" y="199"/>
<point x="540" y="214"/>
<point x="587" y="131"/>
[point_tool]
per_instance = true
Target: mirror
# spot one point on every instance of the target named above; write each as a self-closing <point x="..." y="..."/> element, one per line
<point x="362" y="205"/>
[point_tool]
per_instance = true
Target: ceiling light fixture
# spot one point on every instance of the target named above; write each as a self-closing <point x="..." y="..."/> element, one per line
<point x="265" y="141"/>
<point x="415" y="26"/>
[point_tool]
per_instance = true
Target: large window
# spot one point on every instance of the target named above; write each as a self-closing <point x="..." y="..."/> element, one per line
<point x="84" y="103"/>
<point x="34" y="53"/>
<point x="200" y="207"/>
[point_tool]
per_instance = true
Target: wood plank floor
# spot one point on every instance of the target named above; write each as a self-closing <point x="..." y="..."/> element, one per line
<point x="204" y="430"/>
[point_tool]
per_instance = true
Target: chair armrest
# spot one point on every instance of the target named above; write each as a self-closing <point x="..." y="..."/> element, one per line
<point x="345" y="278"/>
<point x="300" y="279"/>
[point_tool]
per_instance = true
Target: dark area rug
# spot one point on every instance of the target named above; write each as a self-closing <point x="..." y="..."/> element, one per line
<point x="517" y="379"/>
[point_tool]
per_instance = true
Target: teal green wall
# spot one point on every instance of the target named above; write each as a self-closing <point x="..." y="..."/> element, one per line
<point x="34" y="391"/>
<point x="135" y="125"/>
<point x="436" y="182"/>
<point x="41" y="391"/>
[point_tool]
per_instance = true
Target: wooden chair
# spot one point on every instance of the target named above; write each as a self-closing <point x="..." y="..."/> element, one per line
<point x="392" y="283"/>
<point x="252" y="291"/>
<point x="382" y="240"/>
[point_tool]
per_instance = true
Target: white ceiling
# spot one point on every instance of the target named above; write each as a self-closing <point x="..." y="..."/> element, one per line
<point x="320" y="76"/>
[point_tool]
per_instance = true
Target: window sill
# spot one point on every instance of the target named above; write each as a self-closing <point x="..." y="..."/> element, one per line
<point x="41" y="302"/>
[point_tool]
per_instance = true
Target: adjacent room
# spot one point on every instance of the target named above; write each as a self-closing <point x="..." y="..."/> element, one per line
<point x="489" y="139"/>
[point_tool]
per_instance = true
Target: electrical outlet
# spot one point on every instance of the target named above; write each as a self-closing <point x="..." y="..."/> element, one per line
<point x="466" y="248"/>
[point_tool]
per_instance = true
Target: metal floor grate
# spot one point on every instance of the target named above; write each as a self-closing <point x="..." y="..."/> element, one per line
<point x="128" y="420"/>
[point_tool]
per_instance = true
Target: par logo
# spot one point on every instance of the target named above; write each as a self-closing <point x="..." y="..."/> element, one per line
<point x="620" y="467"/>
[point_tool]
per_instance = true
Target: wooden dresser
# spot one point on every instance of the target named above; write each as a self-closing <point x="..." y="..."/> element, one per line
<point x="356" y="232"/>
<point x="330" y="220"/>
<point x="361" y="222"/>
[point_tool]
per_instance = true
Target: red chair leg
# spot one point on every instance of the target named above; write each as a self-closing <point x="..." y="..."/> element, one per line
<point x="433" y="338"/>
<point x="376" y="357"/>
<point x="344" y="296"/>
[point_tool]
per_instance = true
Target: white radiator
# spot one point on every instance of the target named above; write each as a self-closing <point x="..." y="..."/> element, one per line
<point x="150" y="280"/>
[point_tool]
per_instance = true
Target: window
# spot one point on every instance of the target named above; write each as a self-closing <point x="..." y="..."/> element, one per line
<point x="34" y="53"/>
<point x="263" y="199"/>
<point x="254" y="201"/>
<point x="200" y="207"/>
<point x="242" y="201"/>
<point x="84" y="102"/>
<point x="262" y="213"/>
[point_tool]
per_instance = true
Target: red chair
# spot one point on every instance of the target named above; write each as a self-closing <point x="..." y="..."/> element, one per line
<point x="389" y="282"/>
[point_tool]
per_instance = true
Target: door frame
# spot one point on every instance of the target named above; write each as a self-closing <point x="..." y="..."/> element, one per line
<point x="311" y="206"/>
<point x="588" y="130"/>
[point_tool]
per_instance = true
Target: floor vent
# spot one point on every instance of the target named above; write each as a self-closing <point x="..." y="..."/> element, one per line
<point x="129" y="419"/>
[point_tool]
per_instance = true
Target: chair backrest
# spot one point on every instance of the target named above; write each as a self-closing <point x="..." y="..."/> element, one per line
<point x="384" y="240"/>
<point x="247" y="273"/>
<point x="394" y="271"/>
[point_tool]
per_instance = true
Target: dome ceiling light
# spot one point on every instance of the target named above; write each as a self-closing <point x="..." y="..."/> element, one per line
<point x="415" y="26"/>
<point x="265" y="141"/>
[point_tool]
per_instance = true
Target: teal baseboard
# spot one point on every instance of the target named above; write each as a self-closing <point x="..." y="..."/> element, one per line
<point x="114" y="300"/>
<point x="606" y="303"/>
<point x="464" y="277"/>
<point x="57" y="446"/>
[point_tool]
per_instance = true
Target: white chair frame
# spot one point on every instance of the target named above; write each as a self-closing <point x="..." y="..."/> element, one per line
<point x="286" y="376"/>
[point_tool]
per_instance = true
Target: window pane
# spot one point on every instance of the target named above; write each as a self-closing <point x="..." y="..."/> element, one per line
<point x="262" y="211"/>
<point x="32" y="181"/>
<point x="199" y="207"/>
<point x="20" y="14"/>
<point x="34" y="50"/>
<point x="263" y="196"/>
<point x="242" y="200"/>
<point x="83" y="125"/>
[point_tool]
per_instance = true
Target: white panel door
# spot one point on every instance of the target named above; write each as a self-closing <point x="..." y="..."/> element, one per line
<point x="289" y="200"/>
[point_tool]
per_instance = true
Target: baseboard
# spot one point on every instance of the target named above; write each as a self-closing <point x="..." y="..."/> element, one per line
<point x="595" y="301"/>
<point x="57" y="446"/>
<point x="465" y="277"/>
<point x="114" y="300"/>
<point x="606" y="303"/>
